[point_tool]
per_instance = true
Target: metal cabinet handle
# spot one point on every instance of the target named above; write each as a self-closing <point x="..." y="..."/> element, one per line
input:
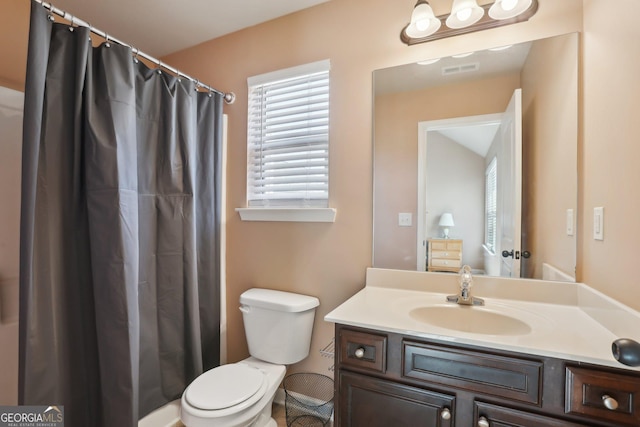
<point x="359" y="353"/>
<point x="483" y="422"/>
<point x="609" y="402"/>
<point x="445" y="414"/>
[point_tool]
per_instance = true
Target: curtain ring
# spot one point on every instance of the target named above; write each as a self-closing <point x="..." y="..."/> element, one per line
<point x="135" y="55"/>
<point x="159" y="66"/>
<point x="71" y="26"/>
<point x="210" y="92"/>
<point x="107" y="44"/>
<point x="197" y="83"/>
<point x="179" y="76"/>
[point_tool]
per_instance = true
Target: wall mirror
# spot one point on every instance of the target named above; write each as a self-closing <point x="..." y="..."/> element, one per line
<point x="440" y="128"/>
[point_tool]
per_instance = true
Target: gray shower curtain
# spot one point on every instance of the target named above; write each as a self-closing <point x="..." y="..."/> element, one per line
<point x="119" y="256"/>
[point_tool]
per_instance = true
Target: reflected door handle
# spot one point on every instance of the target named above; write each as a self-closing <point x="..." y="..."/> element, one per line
<point x="516" y="254"/>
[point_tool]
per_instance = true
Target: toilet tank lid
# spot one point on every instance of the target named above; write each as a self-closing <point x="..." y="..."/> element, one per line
<point x="278" y="300"/>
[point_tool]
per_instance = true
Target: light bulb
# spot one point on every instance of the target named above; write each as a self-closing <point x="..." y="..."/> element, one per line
<point x="422" y="24"/>
<point x="464" y="14"/>
<point x="508" y="4"/>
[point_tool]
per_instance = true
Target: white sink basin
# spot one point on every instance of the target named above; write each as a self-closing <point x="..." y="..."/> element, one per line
<point x="470" y="319"/>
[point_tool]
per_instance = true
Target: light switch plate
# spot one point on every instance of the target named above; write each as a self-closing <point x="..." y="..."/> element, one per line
<point x="598" y="223"/>
<point x="570" y="222"/>
<point x="405" y="219"/>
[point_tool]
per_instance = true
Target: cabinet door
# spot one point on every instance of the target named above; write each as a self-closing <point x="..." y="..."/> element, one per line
<point x="372" y="402"/>
<point x="496" y="416"/>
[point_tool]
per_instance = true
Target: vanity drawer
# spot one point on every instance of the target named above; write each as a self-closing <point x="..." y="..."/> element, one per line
<point x="511" y="378"/>
<point x="587" y="389"/>
<point x="493" y="415"/>
<point x="363" y="350"/>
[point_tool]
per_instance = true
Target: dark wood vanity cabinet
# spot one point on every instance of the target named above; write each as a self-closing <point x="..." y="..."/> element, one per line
<point x="392" y="380"/>
<point x="382" y="403"/>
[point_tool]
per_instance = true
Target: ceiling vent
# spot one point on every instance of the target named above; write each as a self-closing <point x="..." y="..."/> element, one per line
<point x="457" y="69"/>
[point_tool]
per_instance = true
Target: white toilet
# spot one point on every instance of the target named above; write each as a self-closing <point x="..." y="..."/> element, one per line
<point x="278" y="328"/>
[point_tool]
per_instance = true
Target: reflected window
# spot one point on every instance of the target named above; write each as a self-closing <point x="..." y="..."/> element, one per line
<point x="491" y="201"/>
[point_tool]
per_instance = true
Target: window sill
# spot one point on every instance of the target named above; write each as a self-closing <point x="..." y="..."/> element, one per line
<point x="288" y="214"/>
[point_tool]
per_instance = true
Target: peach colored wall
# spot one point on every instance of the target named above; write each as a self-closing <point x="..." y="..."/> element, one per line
<point x="396" y="154"/>
<point x="550" y="115"/>
<point x="610" y="150"/>
<point x="327" y="260"/>
<point x="14" y="38"/>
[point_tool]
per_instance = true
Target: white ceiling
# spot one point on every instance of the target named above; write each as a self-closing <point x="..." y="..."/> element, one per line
<point x="473" y="136"/>
<point x="160" y="27"/>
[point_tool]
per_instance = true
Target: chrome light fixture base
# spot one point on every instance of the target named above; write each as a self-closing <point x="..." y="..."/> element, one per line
<point x="485" y="23"/>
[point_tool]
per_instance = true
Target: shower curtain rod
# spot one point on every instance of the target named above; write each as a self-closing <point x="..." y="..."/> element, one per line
<point x="229" y="98"/>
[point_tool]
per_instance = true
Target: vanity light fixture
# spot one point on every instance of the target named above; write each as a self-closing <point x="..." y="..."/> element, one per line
<point x="423" y="21"/>
<point x="505" y="9"/>
<point x="498" y="49"/>
<point x="464" y="13"/>
<point x="428" y="61"/>
<point x="462" y="55"/>
<point x="466" y="17"/>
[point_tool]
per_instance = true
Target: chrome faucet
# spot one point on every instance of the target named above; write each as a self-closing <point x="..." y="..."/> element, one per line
<point x="464" y="297"/>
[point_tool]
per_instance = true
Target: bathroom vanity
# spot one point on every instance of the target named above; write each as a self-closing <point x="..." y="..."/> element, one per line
<point x="537" y="354"/>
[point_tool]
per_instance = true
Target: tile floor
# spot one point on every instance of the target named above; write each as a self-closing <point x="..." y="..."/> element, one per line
<point x="278" y="413"/>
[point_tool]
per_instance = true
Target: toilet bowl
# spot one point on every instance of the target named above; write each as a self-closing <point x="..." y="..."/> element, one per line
<point x="234" y="395"/>
<point x="278" y="328"/>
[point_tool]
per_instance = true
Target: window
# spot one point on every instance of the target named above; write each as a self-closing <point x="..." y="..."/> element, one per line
<point x="491" y="201"/>
<point x="288" y="138"/>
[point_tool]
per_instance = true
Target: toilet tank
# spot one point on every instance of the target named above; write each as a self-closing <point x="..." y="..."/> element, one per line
<point x="278" y="324"/>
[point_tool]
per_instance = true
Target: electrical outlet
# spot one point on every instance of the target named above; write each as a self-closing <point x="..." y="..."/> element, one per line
<point x="405" y="219"/>
<point x="598" y="223"/>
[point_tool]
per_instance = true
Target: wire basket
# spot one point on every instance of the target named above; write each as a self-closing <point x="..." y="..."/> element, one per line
<point x="308" y="399"/>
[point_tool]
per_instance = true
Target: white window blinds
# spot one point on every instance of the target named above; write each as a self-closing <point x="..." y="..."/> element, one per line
<point x="288" y="137"/>
<point x="491" y="200"/>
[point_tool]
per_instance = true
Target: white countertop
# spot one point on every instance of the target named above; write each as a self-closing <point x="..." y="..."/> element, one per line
<point x="566" y="320"/>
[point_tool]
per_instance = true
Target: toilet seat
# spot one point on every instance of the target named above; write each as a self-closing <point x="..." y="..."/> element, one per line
<point x="227" y="389"/>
